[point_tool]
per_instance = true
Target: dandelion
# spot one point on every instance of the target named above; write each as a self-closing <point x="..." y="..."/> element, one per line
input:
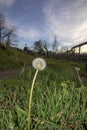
<point x="38" y="64"/>
<point x="77" y="71"/>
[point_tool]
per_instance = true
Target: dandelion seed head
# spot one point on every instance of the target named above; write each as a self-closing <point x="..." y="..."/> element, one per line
<point x="76" y="68"/>
<point x="39" y="63"/>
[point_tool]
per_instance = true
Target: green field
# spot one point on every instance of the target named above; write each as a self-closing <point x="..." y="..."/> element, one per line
<point x="59" y="100"/>
<point x="12" y="58"/>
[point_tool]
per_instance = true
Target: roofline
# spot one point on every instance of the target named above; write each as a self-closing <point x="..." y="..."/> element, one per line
<point x="79" y="45"/>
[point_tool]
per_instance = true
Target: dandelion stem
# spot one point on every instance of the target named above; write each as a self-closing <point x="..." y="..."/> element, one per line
<point x="79" y="78"/>
<point x="30" y="99"/>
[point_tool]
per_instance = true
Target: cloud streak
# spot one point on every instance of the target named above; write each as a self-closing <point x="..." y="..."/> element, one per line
<point x="69" y="23"/>
<point x="28" y="33"/>
<point x="7" y="3"/>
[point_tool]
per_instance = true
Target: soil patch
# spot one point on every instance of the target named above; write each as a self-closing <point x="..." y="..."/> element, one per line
<point x="9" y="73"/>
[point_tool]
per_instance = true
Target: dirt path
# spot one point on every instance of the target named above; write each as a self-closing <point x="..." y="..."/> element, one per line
<point x="9" y="73"/>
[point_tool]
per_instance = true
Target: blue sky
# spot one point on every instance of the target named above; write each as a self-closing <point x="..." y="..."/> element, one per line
<point x="44" y="19"/>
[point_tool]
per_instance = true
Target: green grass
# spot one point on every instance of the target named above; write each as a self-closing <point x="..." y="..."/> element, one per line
<point x="12" y="58"/>
<point x="59" y="101"/>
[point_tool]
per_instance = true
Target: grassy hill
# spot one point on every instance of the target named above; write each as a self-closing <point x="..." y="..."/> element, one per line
<point x="11" y="58"/>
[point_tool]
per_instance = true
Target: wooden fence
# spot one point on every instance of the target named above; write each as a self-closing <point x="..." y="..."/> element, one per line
<point x="77" y="56"/>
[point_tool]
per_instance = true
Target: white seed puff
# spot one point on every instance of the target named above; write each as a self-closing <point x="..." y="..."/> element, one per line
<point x="77" y="69"/>
<point x="39" y="63"/>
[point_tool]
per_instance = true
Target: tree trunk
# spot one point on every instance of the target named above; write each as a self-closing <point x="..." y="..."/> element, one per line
<point x="0" y="36"/>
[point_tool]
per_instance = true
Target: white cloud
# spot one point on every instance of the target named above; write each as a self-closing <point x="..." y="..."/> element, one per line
<point x="6" y="2"/>
<point x="28" y="33"/>
<point x="79" y="3"/>
<point x="69" y="22"/>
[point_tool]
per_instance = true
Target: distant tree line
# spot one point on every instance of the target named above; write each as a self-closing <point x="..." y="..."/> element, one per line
<point x="42" y="47"/>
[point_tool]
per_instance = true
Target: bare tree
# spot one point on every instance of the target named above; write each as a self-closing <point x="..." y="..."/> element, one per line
<point x="2" y="25"/>
<point x="42" y="47"/>
<point x="7" y="33"/>
<point x="46" y="48"/>
<point x="38" y="46"/>
<point x="10" y="36"/>
<point x="64" y="49"/>
<point x="55" y="45"/>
